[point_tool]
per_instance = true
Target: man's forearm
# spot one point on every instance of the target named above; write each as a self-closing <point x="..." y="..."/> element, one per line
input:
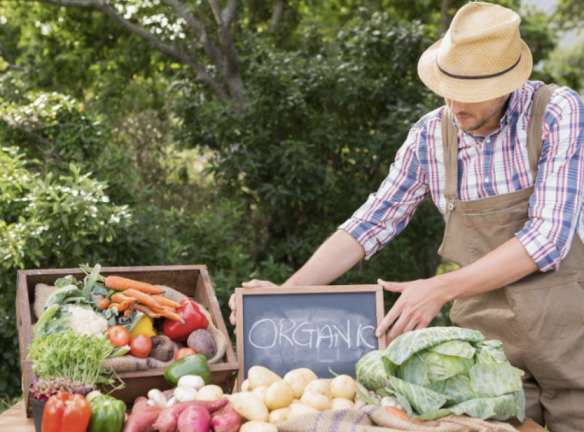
<point x="332" y="259"/>
<point x="506" y="264"/>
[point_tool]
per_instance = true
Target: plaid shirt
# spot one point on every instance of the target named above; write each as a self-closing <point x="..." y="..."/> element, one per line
<point x="487" y="166"/>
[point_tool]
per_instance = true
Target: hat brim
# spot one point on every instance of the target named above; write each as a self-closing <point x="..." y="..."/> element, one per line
<point x="473" y="90"/>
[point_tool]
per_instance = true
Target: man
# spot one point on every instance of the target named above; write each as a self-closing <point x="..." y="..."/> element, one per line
<point x="506" y="169"/>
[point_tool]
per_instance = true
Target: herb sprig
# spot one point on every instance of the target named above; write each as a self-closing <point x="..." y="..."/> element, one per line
<point x="71" y="356"/>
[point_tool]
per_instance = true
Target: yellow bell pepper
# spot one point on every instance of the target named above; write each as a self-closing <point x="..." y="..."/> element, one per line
<point x="144" y="327"/>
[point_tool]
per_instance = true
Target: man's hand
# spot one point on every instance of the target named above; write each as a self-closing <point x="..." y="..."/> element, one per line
<point x="251" y="284"/>
<point x="419" y="302"/>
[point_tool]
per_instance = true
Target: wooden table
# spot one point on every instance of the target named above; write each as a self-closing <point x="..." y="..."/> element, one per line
<point x="14" y="420"/>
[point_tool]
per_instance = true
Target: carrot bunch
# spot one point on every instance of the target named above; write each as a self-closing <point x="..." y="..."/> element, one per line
<point x="141" y="296"/>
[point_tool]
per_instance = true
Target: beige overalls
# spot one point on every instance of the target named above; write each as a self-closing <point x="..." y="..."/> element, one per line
<point x="540" y="318"/>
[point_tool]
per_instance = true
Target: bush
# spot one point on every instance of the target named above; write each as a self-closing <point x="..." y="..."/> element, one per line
<point x="321" y="130"/>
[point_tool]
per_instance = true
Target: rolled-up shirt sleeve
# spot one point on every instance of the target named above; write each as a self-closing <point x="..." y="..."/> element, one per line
<point x="387" y="211"/>
<point x="555" y="208"/>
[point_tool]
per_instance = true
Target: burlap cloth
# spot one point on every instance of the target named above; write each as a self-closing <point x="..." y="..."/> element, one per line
<point x="130" y="363"/>
<point x="370" y="418"/>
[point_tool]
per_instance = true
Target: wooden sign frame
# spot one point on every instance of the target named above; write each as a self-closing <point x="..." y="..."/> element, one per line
<point x="333" y="289"/>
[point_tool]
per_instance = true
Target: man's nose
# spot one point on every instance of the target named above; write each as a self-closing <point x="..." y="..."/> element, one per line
<point x="455" y="107"/>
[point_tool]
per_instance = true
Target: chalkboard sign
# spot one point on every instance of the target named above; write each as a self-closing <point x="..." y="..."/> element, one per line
<point x="315" y="327"/>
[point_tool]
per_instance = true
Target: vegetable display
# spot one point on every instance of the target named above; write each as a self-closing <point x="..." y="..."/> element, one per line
<point x="438" y="371"/>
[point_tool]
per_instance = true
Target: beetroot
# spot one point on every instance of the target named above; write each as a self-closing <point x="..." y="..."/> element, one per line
<point x="194" y="419"/>
<point x="143" y="420"/>
<point x="226" y="420"/>
<point x="167" y="421"/>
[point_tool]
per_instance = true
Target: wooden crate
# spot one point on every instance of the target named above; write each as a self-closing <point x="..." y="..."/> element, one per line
<point x="191" y="280"/>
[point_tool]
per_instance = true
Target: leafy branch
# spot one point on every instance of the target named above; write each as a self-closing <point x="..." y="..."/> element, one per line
<point x="223" y="57"/>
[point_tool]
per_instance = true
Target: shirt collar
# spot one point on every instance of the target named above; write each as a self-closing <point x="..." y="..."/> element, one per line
<point x="511" y="107"/>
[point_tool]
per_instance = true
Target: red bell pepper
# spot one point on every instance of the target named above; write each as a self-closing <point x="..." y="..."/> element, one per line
<point x="66" y="412"/>
<point x="194" y="318"/>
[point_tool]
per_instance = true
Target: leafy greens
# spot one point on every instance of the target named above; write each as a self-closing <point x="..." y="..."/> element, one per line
<point x="439" y="371"/>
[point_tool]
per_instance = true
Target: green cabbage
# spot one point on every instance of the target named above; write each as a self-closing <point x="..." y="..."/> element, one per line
<point x="439" y="371"/>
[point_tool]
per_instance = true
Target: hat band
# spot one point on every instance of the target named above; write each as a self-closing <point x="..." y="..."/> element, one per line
<point x="479" y="76"/>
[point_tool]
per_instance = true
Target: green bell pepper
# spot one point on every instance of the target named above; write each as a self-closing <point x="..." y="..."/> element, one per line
<point x="194" y="364"/>
<point x="107" y="414"/>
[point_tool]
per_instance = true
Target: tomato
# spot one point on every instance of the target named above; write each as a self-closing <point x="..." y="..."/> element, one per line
<point x="118" y="336"/>
<point x="183" y="352"/>
<point x="140" y="346"/>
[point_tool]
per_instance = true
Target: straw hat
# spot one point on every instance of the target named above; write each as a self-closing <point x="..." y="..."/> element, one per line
<point x="481" y="57"/>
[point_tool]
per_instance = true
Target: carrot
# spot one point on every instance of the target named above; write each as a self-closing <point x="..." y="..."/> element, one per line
<point x="128" y="312"/>
<point x="166" y="302"/>
<point x="142" y="298"/>
<point x="120" y="298"/>
<point x="121" y="284"/>
<point x="104" y="303"/>
<point x="121" y="307"/>
<point x="168" y="308"/>
<point x="147" y="311"/>
<point x="170" y="315"/>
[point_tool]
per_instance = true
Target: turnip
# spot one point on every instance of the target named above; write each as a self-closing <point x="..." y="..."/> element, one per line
<point x="194" y="419"/>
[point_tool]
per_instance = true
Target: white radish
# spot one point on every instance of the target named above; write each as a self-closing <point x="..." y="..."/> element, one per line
<point x="193" y="381"/>
<point x="157" y="397"/>
<point x="185" y="394"/>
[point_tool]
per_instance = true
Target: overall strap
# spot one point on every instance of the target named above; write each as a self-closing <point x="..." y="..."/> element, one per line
<point x="535" y="129"/>
<point x="534" y="142"/>
<point x="450" y="146"/>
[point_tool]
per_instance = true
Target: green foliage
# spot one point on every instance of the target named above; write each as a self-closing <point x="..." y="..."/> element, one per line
<point x="536" y="33"/>
<point x="569" y="14"/>
<point x="566" y="66"/>
<point x="319" y="136"/>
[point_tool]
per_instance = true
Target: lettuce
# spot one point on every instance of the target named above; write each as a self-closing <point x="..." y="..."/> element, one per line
<point x="439" y="371"/>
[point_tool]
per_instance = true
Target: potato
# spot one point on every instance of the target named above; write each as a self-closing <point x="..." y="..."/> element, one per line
<point x="257" y="426"/>
<point x="298" y="379"/>
<point x="203" y="343"/>
<point x="249" y="407"/>
<point x="260" y="392"/>
<point x="209" y="393"/>
<point x="343" y="386"/>
<point x="278" y="395"/>
<point x="295" y="401"/>
<point x="316" y="400"/>
<point x="296" y="410"/>
<point x="245" y="386"/>
<point x="318" y="386"/>
<point x="342" y="403"/>
<point x="261" y="376"/>
<point x="279" y="415"/>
